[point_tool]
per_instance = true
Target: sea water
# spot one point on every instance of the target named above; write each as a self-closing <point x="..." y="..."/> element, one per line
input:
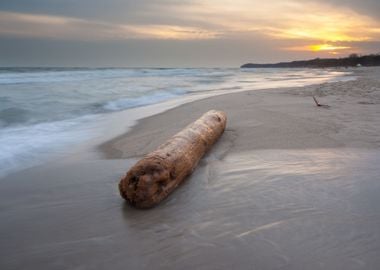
<point x="44" y="111"/>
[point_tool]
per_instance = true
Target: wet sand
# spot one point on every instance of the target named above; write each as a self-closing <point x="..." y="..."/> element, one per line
<point x="288" y="186"/>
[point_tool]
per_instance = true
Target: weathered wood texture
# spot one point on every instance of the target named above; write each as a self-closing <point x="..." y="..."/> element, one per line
<point x="155" y="176"/>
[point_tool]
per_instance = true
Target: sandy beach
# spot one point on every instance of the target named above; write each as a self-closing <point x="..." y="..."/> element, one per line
<point x="283" y="118"/>
<point x="288" y="186"/>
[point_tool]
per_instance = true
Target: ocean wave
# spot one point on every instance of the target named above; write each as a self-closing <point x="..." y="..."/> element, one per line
<point x="51" y="75"/>
<point x="132" y="102"/>
<point x="22" y="147"/>
<point x="13" y="115"/>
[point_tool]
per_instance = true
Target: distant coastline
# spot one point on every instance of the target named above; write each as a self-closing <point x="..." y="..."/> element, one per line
<point x="351" y="61"/>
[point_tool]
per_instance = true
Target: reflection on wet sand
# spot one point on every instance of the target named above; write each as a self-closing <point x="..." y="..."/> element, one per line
<point x="267" y="209"/>
<point x="271" y="209"/>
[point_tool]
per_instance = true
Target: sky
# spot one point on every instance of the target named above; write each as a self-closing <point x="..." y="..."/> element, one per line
<point x="186" y="33"/>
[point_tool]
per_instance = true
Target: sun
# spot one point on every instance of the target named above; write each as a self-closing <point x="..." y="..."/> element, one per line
<point x="326" y="47"/>
<point x="323" y="47"/>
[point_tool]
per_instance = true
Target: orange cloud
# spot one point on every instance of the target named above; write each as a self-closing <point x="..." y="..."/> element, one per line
<point x="289" y="19"/>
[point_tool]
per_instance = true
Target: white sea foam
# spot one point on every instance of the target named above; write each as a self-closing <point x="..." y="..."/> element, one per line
<point x="126" y="103"/>
<point x="25" y="146"/>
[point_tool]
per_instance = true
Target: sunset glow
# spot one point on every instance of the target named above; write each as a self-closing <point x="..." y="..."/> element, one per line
<point x="326" y="47"/>
<point x="330" y="48"/>
<point x="285" y="28"/>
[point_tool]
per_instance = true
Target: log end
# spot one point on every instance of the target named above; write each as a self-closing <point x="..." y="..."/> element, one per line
<point x="146" y="184"/>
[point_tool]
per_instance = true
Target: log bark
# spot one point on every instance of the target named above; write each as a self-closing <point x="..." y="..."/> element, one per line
<point x="155" y="176"/>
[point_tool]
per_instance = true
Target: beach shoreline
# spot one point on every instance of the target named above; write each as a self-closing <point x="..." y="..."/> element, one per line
<point x="281" y="118"/>
<point x="115" y="99"/>
<point x="288" y="185"/>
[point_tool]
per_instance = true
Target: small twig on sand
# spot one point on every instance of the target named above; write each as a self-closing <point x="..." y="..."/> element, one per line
<point x="319" y="104"/>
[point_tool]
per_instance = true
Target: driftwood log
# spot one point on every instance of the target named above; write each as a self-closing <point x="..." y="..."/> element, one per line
<point x="155" y="176"/>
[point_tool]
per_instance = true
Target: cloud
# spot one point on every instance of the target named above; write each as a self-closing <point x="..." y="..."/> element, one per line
<point x="66" y="28"/>
<point x="170" y="31"/>
<point x="290" y="19"/>
<point x="308" y="25"/>
<point x="208" y="19"/>
<point x="370" y="8"/>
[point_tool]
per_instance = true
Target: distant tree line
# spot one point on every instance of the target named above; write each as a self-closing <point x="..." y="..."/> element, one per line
<point x="352" y="60"/>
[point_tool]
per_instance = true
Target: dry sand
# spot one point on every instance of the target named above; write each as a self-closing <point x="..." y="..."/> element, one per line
<point x="288" y="186"/>
<point x="273" y="119"/>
